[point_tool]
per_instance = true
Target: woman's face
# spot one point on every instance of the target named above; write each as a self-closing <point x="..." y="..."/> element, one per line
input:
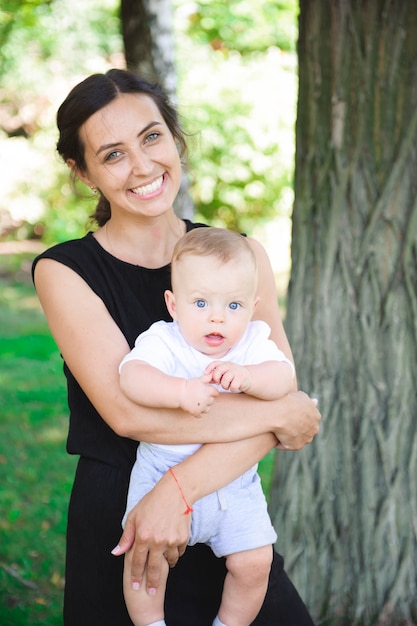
<point x="131" y="156"/>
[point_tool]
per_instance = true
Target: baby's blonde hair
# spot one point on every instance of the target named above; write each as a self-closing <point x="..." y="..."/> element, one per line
<point x="221" y="243"/>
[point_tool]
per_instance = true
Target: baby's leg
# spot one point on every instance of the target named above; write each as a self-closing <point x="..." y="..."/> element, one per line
<point x="144" y="609"/>
<point x="245" y="586"/>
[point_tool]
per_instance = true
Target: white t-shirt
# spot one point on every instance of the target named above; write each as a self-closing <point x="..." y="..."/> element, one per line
<point x="164" y="347"/>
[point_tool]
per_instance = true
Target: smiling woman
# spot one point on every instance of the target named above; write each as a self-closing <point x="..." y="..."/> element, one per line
<point x="119" y="134"/>
<point x="135" y="165"/>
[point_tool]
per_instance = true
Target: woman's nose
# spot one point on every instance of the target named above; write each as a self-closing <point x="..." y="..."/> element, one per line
<point x="141" y="163"/>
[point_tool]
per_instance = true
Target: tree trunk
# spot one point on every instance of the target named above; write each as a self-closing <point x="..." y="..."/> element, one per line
<point x="147" y="28"/>
<point x="345" y="508"/>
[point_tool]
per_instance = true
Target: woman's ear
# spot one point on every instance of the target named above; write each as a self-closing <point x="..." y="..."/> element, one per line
<point x="77" y="173"/>
<point x="170" y="302"/>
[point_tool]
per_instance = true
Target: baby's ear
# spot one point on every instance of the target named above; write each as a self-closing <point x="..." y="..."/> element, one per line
<point x="256" y="302"/>
<point x="170" y="302"/>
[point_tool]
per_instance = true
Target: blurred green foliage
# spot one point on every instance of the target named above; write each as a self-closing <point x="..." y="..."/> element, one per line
<point x="237" y="98"/>
<point x="35" y="32"/>
<point x="246" y="27"/>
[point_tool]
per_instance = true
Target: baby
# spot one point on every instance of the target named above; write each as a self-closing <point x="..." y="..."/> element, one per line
<point x="211" y="346"/>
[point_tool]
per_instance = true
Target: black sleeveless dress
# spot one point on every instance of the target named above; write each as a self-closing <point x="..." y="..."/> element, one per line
<point x="93" y="596"/>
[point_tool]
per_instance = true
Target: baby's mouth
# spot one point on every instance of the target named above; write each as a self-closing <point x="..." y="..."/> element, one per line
<point x="214" y="339"/>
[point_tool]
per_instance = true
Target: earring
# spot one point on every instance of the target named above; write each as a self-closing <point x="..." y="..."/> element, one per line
<point x="93" y="189"/>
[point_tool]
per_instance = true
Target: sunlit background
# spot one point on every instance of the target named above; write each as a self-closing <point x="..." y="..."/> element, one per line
<point x="236" y="74"/>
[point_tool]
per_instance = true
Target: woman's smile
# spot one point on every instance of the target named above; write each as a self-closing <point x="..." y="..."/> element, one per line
<point x="151" y="189"/>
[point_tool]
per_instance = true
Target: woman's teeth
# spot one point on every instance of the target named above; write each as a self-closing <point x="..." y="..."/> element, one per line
<point x="146" y="189"/>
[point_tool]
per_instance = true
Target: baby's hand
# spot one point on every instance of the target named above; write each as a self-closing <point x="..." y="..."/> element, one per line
<point x="230" y="376"/>
<point x="198" y="395"/>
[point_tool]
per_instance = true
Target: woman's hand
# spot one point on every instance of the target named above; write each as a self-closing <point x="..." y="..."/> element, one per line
<point x="156" y="529"/>
<point x="299" y="421"/>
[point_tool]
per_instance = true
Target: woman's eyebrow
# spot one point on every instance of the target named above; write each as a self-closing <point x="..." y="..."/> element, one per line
<point x="108" y="146"/>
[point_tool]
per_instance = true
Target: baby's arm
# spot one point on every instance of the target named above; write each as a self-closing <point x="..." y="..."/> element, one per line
<point x="269" y="380"/>
<point x="147" y="385"/>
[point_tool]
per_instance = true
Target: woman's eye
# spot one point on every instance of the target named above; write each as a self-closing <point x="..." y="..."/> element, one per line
<point x="151" y="137"/>
<point x="200" y="304"/>
<point x="234" y="306"/>
<point x="113" y="155"/>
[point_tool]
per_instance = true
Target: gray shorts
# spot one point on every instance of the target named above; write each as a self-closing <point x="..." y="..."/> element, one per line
<point x="230" y="520"/>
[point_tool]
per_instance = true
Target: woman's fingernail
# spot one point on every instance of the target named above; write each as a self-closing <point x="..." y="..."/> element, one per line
<point x="135" y="586"/>
<point x="152" y="591"/>
<point x="116" y="550"/>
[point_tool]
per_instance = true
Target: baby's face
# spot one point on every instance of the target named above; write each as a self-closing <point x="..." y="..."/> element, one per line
<point x="213" y="301"/>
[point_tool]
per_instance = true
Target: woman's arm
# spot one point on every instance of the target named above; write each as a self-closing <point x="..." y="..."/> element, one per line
<point x="267" y="309"/>
<point x="153" y="536"/>
<point x="93" y="346"/>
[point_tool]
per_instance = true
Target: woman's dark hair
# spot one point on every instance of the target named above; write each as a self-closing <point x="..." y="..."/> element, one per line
<point x="91" y="95"/>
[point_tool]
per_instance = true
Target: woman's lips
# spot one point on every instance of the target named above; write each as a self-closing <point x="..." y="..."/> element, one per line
<point x="151" y="188"/>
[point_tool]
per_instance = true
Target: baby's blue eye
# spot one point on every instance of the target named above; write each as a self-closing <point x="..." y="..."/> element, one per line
<point x="200" y="304"/>
<point x="234" y="306"/>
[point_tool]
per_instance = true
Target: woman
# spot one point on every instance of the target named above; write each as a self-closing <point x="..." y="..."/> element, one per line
<point x="120" y="136"/>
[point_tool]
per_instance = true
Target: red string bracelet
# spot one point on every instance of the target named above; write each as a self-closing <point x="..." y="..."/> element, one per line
<point x="189" y="509"/>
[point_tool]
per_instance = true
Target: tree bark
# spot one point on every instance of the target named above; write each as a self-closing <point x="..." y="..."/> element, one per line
<point x="345" y="508"/>
<point x="147" y="28"/>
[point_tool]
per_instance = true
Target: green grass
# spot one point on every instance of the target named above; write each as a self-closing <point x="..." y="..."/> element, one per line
<point x="35" y="471"/>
